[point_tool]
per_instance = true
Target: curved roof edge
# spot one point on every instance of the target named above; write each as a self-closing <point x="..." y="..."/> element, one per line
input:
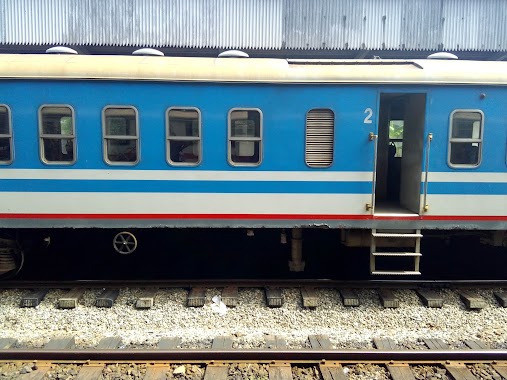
<point x="255" y="70"/>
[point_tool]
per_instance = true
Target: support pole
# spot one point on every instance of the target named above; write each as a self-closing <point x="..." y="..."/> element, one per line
<point x="296" y="264"/>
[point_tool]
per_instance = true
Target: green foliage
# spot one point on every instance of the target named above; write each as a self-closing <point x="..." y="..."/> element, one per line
<point x="396" y="129"/>
<point x="66" y="125"/>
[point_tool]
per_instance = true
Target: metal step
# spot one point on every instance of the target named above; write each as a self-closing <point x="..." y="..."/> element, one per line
<point x="415" y="239"/>
<point x="398" y="235"/>
<point x="396" y="273"/>
<point x="400" y="254"/>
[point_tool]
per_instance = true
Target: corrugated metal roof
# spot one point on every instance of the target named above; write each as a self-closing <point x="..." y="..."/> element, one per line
<point x="259" y="24"/>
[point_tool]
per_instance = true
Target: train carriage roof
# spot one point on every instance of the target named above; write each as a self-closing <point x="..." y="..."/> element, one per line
<point x="254" y="70"/>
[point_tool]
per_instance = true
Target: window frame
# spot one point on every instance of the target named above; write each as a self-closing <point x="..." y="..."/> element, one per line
<point x="9" y="136"/>
<point x="43" y="136"/>
<point x="168" y="137"/>
<point x="479" y="140"/>
<point x="230" y="139"/>
<point x="312" y="166"/>
<point x="106" y="138"/>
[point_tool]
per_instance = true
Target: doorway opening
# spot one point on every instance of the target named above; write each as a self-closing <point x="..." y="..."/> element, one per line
<point x="400" y="153"/>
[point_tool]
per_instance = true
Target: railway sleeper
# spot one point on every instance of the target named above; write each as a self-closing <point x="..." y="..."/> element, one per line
<point x="273" y="297"/>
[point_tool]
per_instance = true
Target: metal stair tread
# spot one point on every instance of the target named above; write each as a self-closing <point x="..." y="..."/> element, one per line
<point x="400" y="254"/>
<point x="396" y="273"/>
<point x="387" y="235"/>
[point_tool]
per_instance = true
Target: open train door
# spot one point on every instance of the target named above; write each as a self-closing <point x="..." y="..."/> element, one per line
<point x="399" y="163"/>
<point x="400" y="153"/>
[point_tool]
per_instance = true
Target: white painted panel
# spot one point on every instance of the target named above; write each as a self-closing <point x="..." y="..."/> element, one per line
<point x="457" y="176"/>
<point x="475" y="205"/>
<point x="214" y="175"/>
<point x="183" y="175"/>
<point x="184" y="203"/>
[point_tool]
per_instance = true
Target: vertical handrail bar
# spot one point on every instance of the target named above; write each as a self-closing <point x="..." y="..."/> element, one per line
<point x="426" y="170"/>
<point x="374" y="137"/>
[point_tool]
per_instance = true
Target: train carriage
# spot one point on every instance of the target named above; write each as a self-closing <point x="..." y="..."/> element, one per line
<point x="380" y="150"/>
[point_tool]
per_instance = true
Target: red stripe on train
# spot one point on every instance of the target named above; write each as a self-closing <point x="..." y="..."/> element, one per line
<point x="255" y="217"/>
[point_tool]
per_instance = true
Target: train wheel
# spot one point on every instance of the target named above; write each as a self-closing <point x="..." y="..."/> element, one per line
<point x="11" y="258"/>
<point x="125" y="243"/>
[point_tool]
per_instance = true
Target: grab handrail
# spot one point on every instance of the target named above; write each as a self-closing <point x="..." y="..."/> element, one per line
<point x="373" y="137"/>
<point x="426" y="169"/>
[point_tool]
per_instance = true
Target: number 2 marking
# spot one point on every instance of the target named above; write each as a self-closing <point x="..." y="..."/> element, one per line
<point x="369" y="114"/>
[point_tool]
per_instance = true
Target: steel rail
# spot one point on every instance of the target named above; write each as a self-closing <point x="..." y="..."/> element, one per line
<point x="242" y="283"/>
<point x="233" y="355"/>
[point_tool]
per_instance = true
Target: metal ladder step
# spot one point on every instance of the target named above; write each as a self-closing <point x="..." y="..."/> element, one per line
<point x="398" y="235"/>
<point x="400" y="254"/>
<point x="395" y="273"/>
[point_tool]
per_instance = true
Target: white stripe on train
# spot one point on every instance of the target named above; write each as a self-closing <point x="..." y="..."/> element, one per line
<point x="234" y="175"/>
<point x="206" y="203"/>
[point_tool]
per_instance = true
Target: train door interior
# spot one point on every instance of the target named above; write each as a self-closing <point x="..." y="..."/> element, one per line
<point x="400" y="153"/>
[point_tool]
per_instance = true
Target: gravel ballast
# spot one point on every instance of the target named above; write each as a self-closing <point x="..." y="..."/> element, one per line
<point x="252" y="320"/>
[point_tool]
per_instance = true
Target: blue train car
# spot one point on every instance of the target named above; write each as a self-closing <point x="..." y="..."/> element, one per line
<point x="382" y="150"/>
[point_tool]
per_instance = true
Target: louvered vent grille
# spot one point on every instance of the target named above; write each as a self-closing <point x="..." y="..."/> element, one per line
<point x="319" y="138"/>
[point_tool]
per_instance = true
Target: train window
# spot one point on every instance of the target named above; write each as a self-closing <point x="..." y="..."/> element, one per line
<point x="245" y="137"/>
<point x="183" y="131"/>
<point x="121" y="135"/>
<point x="396" y="138"/>
<point x="57" y="136"/>
<point x="465" y="138"/>
<point x="5" y="136"/>
<point x="319" y="145"/>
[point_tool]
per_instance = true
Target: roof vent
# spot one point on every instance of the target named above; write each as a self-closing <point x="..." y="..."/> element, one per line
<point x="148" y="51"/>
<point x="233" y="54"/>
<point x="442" y="55"/>
<point x="60" y="50"/>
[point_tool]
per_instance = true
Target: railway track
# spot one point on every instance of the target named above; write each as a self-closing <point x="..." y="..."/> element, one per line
<point x="222" y="362"/>
<point x="229" y="293"/>
<point x="158" y="335"/>
<point x="245" y="283"/>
